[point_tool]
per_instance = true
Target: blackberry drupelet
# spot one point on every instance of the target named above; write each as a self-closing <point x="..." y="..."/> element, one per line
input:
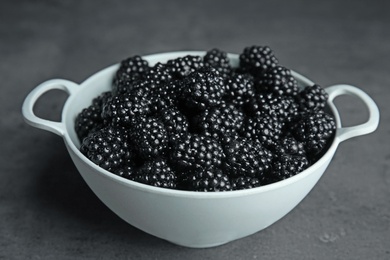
<point x="245" y="182"/>
<point x="150" y="138"/>
<point x="246" y="158"/>
<point x="263" y="128"/>
<point x="219" y="60"/>
<point x="156" y="173"/>
<point x="183" y="66"/>
<point x="196" y="150"/>
<point x="257" y="60"/>
<point x="239" y="89"/>
<point x="312" y="98"/>
<point x="90" y="119"/>
<point x="125" y="110"/>
<point x="315" y="129"/>
<point x="219" y="121"/>
<point x="278" y="80"/>
<point x="106" y="148"/>
<point x="203" y="89"/>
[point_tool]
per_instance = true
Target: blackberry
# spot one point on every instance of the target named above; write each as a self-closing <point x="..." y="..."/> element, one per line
<point x="289" y="145"/>
<point x="156" y="173"/>
<point x="246" y="158"/>
<point x="183" y="66"/>
<point x="239" y="89"/>
<point x="312" y="98"/>
<point x="196" y="150"/>
<point x="207" y="179"/>
<point x="284" y="108"/>
<point x="126" y="172"/>
<point x="203" y="89"/>
<point x="163" y="97"/>
<point x="158" y="74"/>
<point x="315" y="129"/>
<point x="245" y="182"/>
<point x="125" y="110"/>
<point x="288" y="165"/>
<point x="106" y="148"/>
<point x="90" y="119"/>
<point x="219" y="121"/>
<point x="257" y="60"/>
<point x="265" y="129"/>
<point x="175" y="123"/>
<point x="219" y="60"/>
<point x="134" y="67"/>
<point x="150" y="138"/>
<point x="278" y="80"/>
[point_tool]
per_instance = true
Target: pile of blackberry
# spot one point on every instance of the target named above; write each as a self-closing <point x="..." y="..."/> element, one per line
<point x="198" y="124"/>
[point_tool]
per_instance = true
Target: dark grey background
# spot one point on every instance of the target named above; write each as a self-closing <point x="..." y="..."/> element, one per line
<point x="48" y="212"/>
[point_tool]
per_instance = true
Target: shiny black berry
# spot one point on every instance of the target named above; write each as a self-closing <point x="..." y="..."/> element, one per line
<point x="206" y="179"/>
<point x="175" y="123"/>
<point x="203" y="89"/>
<point x="239" y="89"/>
<point x="134" y="67"/>
<point x="246" y="158"/>
<point x="219" y="121"/>
<point x="312" y="98"/>
<point x="150" y="138"/>
<point x="183" y="66"/>
<point x="107" y="148"/>
<point x="156" y="173"/>
<point x="278" y="80"/>
<point x="219" y="60"/>
<point x="245" y="182"/>
<point x="257" y="60"/>
<point x="126" y="110"/>
<point x="90" y="119"/>
<point x="315" y="129"/>
<point x="196" y="150"/>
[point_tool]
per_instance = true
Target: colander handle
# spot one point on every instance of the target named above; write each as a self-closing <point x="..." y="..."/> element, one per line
<point x="28" y="104"/>
<point x="344" y="133"/>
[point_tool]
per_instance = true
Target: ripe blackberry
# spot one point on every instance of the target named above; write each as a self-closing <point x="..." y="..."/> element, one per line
<point x="288" y="165"/>
<point x="106" y="148"/>
<point x="257" y="60"/>
<point x="278" y="80"/>
<point x="127" y="172"/>
<point x="133" y="67"/>
<point x="245" y="182"/>
<point x="196" y="150"/>
<point x="219" y="121"/>
<point x="183" y="66"/>
<point x="203" y="89"/>
<point x="90" y="119"/>
<point x="312" y="97"/>
<point x="175" y="123"/>
<point x="239" y="89"/>
<point x="284" y="108"/>
<point x="150" y="138"/>
<point x="219" y="60"/>
<point x="156" y="173"/>
<point x="206" y="179"/>
<point x="163" y="97"/>
<point x="125" y="110"/>
<point x="158" y="74"/>
<point x="246" y="158"/>
<point x="289" y="145"/>
<point x="265" y="129"/>
<point x="315" y="129"/>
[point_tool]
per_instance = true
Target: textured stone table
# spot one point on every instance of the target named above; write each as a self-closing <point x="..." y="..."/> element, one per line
<point x="48" y="212"/>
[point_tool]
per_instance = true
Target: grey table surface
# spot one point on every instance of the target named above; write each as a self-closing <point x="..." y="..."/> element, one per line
<point x="48" y="212"/>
